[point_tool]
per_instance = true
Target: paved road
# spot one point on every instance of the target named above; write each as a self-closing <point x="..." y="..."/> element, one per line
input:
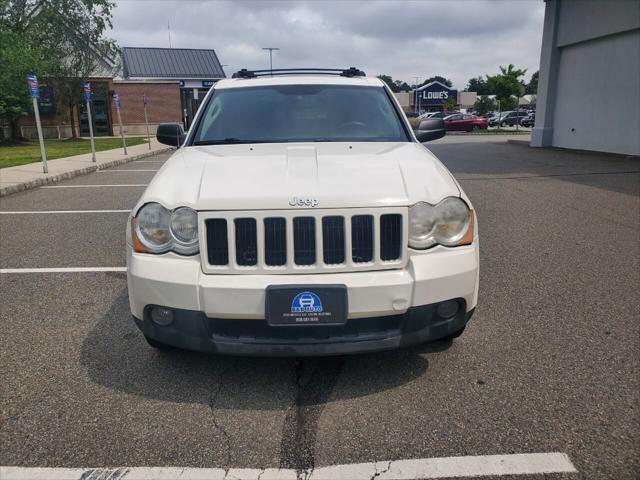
<point x="549" y="363"/>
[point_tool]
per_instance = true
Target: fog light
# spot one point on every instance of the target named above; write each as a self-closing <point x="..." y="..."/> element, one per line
<point x="448" y="309"/>
<point x="162" y="316"/>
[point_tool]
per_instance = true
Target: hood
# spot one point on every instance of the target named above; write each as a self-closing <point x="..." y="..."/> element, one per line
<point x="269" y="176"/>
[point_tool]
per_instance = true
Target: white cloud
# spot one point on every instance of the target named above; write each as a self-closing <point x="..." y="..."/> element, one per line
<point x="404" y="39"/>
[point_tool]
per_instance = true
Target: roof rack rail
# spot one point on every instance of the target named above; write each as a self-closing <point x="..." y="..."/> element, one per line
<point x="343" y="72"/>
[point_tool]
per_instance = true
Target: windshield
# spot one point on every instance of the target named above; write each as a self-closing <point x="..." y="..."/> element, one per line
<point x="299" y="113"/>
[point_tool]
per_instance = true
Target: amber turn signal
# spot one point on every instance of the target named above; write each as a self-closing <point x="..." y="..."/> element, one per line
<point x="135" y="241"/>
<point x="468" y="237"/>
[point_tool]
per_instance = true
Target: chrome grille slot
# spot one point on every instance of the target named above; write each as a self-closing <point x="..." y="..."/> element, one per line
<point x="303" y="240"/>
<point x="362" y="238"/>
<point x="275" y="241"/>
<point x="246" y="242"/>
<point x="390" y="235"/>
<point x="217" y="243"/>
<point x="333" y="240"/>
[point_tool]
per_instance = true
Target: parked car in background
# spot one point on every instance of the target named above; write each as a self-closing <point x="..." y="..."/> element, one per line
<point x="436" y="114"/>
<point x="412" y="114"/>
<point x="464" y="122"/>
<point x="508" y="118"/>
<point x="529" y="120"/>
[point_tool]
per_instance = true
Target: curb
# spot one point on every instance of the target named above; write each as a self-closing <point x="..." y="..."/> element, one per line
<point x="525" y="143"/>
<point x="577" y="151"/>
<point x="38" y="182"/>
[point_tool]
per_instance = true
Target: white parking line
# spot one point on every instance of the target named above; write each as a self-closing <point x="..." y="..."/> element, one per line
<point x="63" y="270"/>
<point x="98" y="186"/>
<point x="447" y="467"/>
<point x="53" y="212"/>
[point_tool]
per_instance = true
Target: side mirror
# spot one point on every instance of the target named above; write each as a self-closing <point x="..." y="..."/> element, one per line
<point x="430" y="129"/>
<point x="170" y="134"/>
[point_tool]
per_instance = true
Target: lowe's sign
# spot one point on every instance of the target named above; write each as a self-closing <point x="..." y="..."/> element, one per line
<point x="435" y="93"/>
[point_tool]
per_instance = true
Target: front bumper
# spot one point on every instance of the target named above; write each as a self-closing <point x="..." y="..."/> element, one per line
<point x="193" y="330"/>
<point x="383" y="305"/>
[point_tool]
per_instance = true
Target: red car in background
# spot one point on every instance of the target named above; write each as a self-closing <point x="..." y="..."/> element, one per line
<point x="464" y="122"/>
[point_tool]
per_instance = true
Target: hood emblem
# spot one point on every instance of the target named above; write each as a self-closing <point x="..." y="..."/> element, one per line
<point x="304" y="202"/>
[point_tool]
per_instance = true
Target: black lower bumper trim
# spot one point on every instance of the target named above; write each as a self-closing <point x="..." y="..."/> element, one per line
<point x="193" y="330"/>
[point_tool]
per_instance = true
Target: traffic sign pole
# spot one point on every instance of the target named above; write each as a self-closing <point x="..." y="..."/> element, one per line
<point x="93" y="146"/>
<point x="87" y="97"/>
<point x="34" y="91"/>
<point x="43" y="154"/>
<point x="124" y="144"/>
<point x="146" y="119"/>
<point x="116" y="100"/>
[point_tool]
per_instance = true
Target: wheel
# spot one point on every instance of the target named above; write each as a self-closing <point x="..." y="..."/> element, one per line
<point x="157" y="344"/>
<point x="503" y="124"/>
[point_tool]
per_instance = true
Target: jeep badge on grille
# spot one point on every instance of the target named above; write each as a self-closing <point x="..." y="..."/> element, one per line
<point x="304" y="202"/>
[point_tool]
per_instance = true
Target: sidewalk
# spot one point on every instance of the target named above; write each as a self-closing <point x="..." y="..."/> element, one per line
<point x="24" y="177"/>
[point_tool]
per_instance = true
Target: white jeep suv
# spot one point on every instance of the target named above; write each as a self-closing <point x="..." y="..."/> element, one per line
<point x="301" y="215"/>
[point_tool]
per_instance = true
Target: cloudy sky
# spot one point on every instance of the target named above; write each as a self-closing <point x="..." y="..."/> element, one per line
<point x="404" y="39"/>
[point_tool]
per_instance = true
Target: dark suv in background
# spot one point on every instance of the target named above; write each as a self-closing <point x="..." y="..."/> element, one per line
<point x="508" y="118"/>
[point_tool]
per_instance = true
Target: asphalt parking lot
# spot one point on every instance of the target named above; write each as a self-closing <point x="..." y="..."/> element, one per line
<point x="549" y="363"/>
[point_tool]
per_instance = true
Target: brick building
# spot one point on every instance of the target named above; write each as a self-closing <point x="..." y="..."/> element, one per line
<point x="173" y="81"/>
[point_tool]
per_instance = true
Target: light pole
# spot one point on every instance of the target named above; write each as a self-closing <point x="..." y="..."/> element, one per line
<point x="416" y="99"/>
<point x="271" y="49"/>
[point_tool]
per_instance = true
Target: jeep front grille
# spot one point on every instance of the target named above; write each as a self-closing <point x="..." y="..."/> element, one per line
<point x="303" y="241"/>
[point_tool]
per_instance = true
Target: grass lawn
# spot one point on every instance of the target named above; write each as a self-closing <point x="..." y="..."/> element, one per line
<point x="29" y="151"/>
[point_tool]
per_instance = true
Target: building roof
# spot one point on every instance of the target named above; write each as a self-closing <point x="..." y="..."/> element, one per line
<point x="435" y="82"/>
<point x="175" y="63"/>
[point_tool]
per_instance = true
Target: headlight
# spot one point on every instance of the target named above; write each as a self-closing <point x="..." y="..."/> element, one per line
<point x="157" y="230"/>
<point x="422" y="223"/>
<point x="449" y="223"/>
<point x="184" y="228"/>
<point x="153" y="227"/>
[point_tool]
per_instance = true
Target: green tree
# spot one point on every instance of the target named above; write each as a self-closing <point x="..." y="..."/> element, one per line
<point x="402" y="85"/>
<point x="17" y="58"/>
<point x="450" y="105"/>
<point x="389" y="81"/>
<point x="532" y="86"/>
<point x="70" y="33"/>
<point x="484" y="104"/>
<point x="478" y="85"/>
<point x="437" y="78"/>
<point x="506" y="86"/>
<point x="395" y="85"/>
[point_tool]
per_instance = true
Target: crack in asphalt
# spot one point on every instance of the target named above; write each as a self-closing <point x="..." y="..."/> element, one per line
<point x="217" y="426"/>
<point x="315" y="380"/>
<point x="378" y="473"/>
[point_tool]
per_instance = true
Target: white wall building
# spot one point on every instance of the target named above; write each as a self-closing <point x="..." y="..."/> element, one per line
<point x="589" y="86"/>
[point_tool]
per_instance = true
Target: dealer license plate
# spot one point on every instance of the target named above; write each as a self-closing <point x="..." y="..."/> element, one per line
<point x="306" y="305"/>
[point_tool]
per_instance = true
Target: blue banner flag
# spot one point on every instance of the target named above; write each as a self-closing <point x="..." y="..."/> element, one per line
<point x="116" y="100"/>
<point x="34" y="89"/>
<point x="87" y="91"/>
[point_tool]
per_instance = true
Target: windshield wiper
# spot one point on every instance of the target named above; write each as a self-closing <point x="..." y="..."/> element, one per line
<point x="226" y="141"/>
